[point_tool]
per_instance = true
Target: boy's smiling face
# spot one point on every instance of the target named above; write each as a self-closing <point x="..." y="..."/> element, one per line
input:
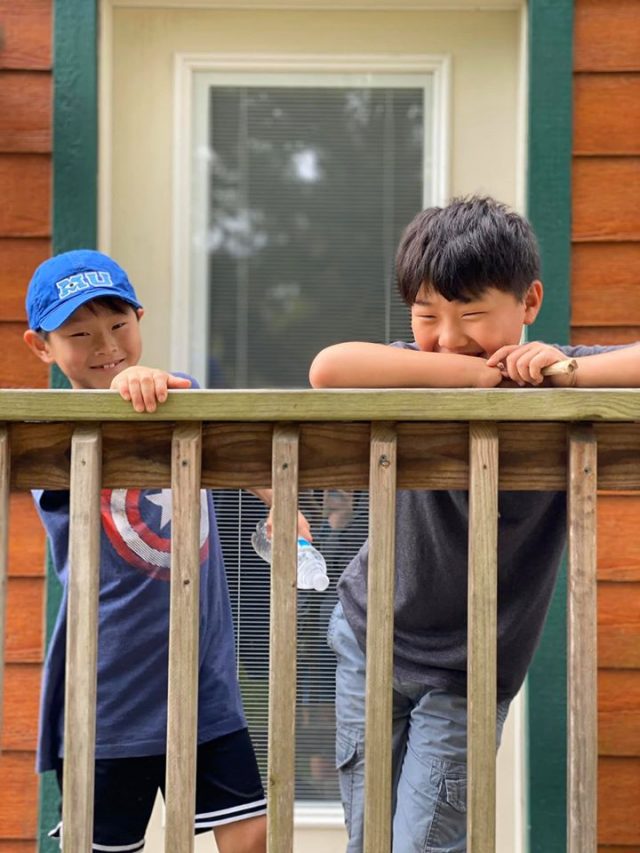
<point x="97" y="342"/>
<point x="478" y="327"/>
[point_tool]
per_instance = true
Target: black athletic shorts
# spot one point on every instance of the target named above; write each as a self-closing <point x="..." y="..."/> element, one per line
<point x="228" y="788"/>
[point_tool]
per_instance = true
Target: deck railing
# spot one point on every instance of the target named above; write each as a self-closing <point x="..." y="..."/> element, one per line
<point x="482" y="441"/>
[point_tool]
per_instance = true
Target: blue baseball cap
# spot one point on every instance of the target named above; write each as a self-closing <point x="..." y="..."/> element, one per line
<point x="63" y="283"/>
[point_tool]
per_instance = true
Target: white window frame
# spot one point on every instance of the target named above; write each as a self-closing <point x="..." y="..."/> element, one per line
<point x="193" y="75"/>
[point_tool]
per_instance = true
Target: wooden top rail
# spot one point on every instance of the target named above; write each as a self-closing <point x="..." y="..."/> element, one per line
<point x="414" y="404"/>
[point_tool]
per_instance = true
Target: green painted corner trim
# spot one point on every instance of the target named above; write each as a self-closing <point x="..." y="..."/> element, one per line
<point x="75" y="157"/>
<point x="550" y="27"/>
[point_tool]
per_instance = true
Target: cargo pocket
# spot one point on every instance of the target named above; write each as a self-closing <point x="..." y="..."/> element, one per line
<point x="349" y="764"/>
<point x="449" y="826"/>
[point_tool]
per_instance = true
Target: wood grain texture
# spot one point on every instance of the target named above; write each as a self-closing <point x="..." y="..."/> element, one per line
<point x="618" y="544"/>
<point x="379" y="653"/>
<point x="18" y="368"/>
<point x="604" y="201"/>
<point x="19" y="256"/>
<point x="482" y="637"/>
<point x="619" y="795"/>
<point x="606" y="848"/>
<point x="432" y="455"/>
<point x="26" y="538"/>
<point x="433" y="405"/>
<point x="27" y="30"/>
<point x="25" y="111"/>
<point x="25" y="603"/>
<point x="13" y="846"/>
<point x="619" y="712"/>
<point x="282" y="641"/>
<point x="82" y="637"/>
<point x="606" y="113"/>
<point x="19" y="800"/>
<point x="22" y="694"/>
<point x="182" y="717"/>
<point x="606" y="36"/>
<point x="5" y="477"/>
<point x="604" y="279"/>
<point x="582" y="733"/>
<point x="619" y="625"/>
<point x="22" y="213"/>
<point x="594" y="335"/>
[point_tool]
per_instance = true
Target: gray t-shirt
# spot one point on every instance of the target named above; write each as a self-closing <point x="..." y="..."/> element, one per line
<point x="430" y="610"/>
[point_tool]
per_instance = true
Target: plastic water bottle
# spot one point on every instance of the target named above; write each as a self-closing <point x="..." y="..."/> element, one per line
<point x="312" y="569"/>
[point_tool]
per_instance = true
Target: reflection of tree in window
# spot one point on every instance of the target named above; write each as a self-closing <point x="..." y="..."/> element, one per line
<point x="309" y="191"/>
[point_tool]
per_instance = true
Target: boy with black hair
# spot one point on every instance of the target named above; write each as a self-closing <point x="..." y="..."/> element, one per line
<point x="84" y="316"/>
<point x="469" y="273"/>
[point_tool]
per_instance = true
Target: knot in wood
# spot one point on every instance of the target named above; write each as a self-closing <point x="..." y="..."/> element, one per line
<point x="385" y="461"/>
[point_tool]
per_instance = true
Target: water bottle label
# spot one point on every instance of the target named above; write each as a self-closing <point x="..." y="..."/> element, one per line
<point x="303" y="542"/>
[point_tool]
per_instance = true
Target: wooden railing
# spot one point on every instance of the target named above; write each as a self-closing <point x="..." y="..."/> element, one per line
<point x="382" y="440"/>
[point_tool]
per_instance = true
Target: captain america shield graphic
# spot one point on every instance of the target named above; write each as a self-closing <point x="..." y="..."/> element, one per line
<point x="138" y="525"/>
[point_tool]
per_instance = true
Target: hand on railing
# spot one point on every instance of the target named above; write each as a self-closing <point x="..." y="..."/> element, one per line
<point x="529" y="364"/>
<point x="145" y="387"/>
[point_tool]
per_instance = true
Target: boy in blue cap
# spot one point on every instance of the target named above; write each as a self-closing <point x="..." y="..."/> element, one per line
<point x="470" y="275"/>
<point x="84" y="316"/>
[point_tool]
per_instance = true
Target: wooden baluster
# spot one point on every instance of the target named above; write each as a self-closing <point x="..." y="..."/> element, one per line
<point x="482" y="637"/>
<point x="380" y="600"/>
<point x="184" y="649"/>
<point x="582" y="672"/>
<point x="282" y="655"/>
<point x="5" y="473"/>
<point x="82" y="639"/>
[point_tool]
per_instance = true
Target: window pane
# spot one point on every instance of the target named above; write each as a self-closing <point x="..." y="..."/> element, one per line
<point x="309" y="191"/>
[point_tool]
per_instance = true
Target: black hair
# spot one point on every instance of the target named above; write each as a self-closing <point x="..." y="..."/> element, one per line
<point x="463" y="249"/>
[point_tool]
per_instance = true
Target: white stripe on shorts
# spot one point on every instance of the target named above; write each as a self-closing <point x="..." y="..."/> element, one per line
<point x="56" y="832"/>
<point x="206" y="820"/>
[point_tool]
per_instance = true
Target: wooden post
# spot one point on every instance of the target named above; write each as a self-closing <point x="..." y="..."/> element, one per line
<point x="582" y="770"/>
<point x="282" y="654"/>
<point x="184" y="650"/>
<point x="482" y="637"/>
<point x="380" y="600"/>
<point x="5" y="472"/>
<point x="82" y="639"/>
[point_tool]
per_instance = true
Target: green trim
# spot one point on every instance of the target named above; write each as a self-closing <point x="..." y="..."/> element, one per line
<point x="75" y="152"/>
<point x="549" y="208"/>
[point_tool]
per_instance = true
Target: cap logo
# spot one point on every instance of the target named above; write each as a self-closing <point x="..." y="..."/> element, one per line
<point x="82" y="281"/>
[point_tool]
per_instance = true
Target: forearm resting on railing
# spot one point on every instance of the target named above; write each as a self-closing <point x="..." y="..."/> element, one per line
<point x="616" y="369"/>
<point x="365" y="365"/>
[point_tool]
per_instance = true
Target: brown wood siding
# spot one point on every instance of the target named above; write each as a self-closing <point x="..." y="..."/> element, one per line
<point x="605" y="308"/>
<point x="25" y="241"/>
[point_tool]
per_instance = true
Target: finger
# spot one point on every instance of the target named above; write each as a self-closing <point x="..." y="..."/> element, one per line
<point x="160" y="385"/>
<point x="148" y="389"/>
<point x="518" y="367"/>
<point x="135" y="395"/>
<point x="536" y="364"/>
<point x="500" y="354"/>
<point x="304" y="530"/>
<point x="177" y="381"/>
<point x="122" y="388"/>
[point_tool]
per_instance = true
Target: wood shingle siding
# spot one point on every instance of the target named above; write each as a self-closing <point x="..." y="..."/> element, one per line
<point x="605" y="296"/>
<point x="25" y="241"/>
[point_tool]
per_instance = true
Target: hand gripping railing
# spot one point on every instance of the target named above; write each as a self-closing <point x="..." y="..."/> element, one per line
<point x="476" y="440"/>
